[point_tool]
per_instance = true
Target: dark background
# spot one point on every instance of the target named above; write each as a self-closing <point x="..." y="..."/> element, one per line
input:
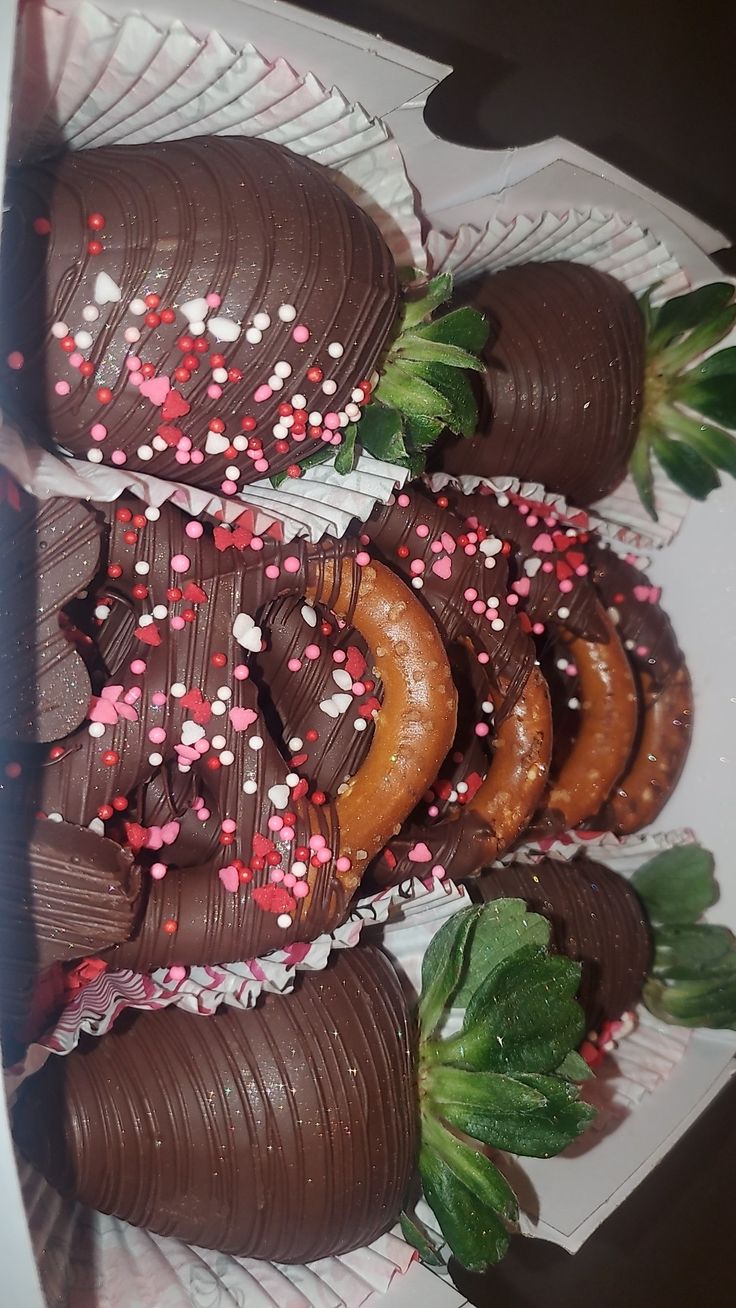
<point x="651" y="86"/>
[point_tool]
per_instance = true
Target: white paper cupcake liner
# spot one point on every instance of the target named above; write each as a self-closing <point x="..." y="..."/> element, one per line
<point x="86" y="79"/>
<point x="611" y="244"/>
<point x="325" y="502"/>
<point x="624" y="854"/>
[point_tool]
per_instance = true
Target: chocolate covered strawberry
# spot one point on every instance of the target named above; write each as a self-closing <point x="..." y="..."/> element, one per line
<point x="213" y="311"/>
<point x="585" y="383"/>
<point x="292" y="1131"/>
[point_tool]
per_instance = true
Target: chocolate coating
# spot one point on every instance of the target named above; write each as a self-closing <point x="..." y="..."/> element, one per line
<point x="285" y="1132"/>
<point x="562" y="396"/>
<point x="243" y="219"/>
<point x="597" y="919"/>
<point x="643" y="625"/>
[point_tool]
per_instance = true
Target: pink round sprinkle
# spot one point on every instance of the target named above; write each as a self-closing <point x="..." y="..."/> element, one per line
<point x="566" y="586"/>
<point x="277" y="874"/>
<point x="98" y="432"/>
<point x="336" y="439"/>
<point x="180" y="563"/>
<point x="294" y="665"/>
<point x="182" y="456"/>
<point x="479" y="606"/>
<point x="241" y="672"/>
<point x="272" y="571"/>
<point x="358" y="688"/>
<point x="343" y="863"/>
<point x="229" y="487"/>
<point x="482" y="729"/>
<point x="158" y="699"/>
<point x="362" y="559"/>
<point x="339" y="655"/>
<point x="229" y="826"/>
<point x="213" y="299"/>
<point x="214" y="391"/>
<point x="138" y="667"/>
<point x="483" y="657"/>
<point x="300" y="333"/>
<point x="289" y="880"/>
<point x="119" y="457"/>
<point x="332" y="421"/>
<point x="15" y="360"/>
<point x="538" y="628"/>
<point x="184" y="443"/>
<point x="311" y="652"/>
<point x="197" y="456"/>
<point x="62" y="388"/>
<point x="287" y="834"/>
<point x="177" y="623"/>
<point x="132" y="363"/>
<point x="512" y="600"/>
<point x="76" y="358"/>
<point x="547" y="567"/>
<point x="204" y="815"/>
<point x="436" y="547"/>
<point x="326" y="436"/>
<point x="262" y="393"/>
<point x="194" y="530"/>
<point x="416" y="567"/>
<point x="201" y="746"/>
<point x="433" y="811"/>
<point x="176" y="973"/>
<point x="470" y="594"/>
<point x="136" y="379"/>
<point x="317" y="842"/>
<point x="422" y="530"/>
<point x="291" y="563"/>
<point x="404" y="501"/>
<point x="470" y="549"/>
<point x="275" y="823"/>
<point x="438" y="871"/>
<point x="157" y="735"/>
<point x="642" y="651"/>
<point x="261" y="465"/>
<point x="323" y="856"/>
<point x="256" y="543"/>
<point x="158" y="870"/>
<point x="582" y="571"/>
<point x="300" y="890"/>
<point x="532" y="520"/>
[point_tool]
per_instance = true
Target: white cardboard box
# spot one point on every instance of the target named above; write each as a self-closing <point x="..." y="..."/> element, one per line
<point x="698" y="571"/>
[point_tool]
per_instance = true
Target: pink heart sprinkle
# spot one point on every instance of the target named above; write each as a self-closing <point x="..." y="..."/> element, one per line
<point x="155" y="389"/>
<point x="419" y="853"/>
<point x="543" y="543"/>
<point x="442" y="568"/>
<point x="522" y="586"/>
<point x="229" y="877"/>
<point x="242" y="718"/>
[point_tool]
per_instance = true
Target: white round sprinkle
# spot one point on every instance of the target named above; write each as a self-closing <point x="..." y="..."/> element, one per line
<point x="197" y="328"/>
<point x="287" y="312"/>
<point x="155" y="759"/>
<point x="96" y="729"/>
<point x="283" y="920"/>
<point x="276" y="383"/>
<point x="159" y="443"/>
<point x="295" y="744"/>
<point x="160" y="611"/>
<point x="142" y="568"/>
<point x="233" y="473"/>
<point x="492" y="602"/>
<point x="561" y="664"/>
<point x="90" y="313"/>
<point x="145" y="620"/>
<point x="83" y="340"/>
<point x="487" y="706"/>
<point x="227" y="757"/>
<point x="353" y="411"/>
<point x="282" y="368"/>
<point x="573" y="703"/>
<point x="461" y="787"/>
<point x="288" y="420"/>
<point x="218" y="742"/>
<point x="299" y="401"/>
<point x="498" y="624"/>
<point x="335" y="350"/>
<point x="261" y="321"/>
<point x="152" y="513"/>
<point x="224" y="692"/>
<point x="280" y="431"/>
<point x="417" y="583"/>
<point x="255" y="742"/>
<point x="177" y="690"/>
<point x="239" y="442"/>
<point x="315" y="419"/>
<point x="219" y="374"/>
<point x="360" y="724"/>
<point x="250" y="787"/>
<point x="54" y="817"/>
<point x="218" y="708"/>
<point x="563" y="613"/>
<point x="253" y="336"/>
<point x="131" y="335"/>
<point x="144" y="452"/>
<point x="94" y="456"/>
<point x="298" y="869"/>
<point x="357" y="396"/>
<point x="292" y="780"/>
<point x="138" y="307"/>
<point x="59" y="329"/>
<point x="503" y="500"/>
<point x="102" y="611"/>
<point x="343" y="418"/>
<point x="329" y="387"/>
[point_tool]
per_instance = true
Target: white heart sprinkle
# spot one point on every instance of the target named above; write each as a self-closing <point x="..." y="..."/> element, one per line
<point x="342" y="702"/>
<point x="223" y="329"/>
<point x="191" y="731"/>
<point x="342" y="679"/>
<point x="106" y="290"/>
<point x="194" y="310"/>
<point x="329" y="707"/>
<point x="309" y="615"/>
<point x="279" y="796"/>
<point x="247" y="633"/>
<point x="216" y="443"/>
<point x="491" y="545"/>
<point x="97" y="825"/>
<point x="532" y="566"/>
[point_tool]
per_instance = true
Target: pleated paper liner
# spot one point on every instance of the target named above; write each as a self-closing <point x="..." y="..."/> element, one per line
<point x="614" y="245"/>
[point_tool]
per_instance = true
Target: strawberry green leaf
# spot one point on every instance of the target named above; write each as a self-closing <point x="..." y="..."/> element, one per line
<point x="487" y="1092"/>
<point x="311" y="461"/>
<point x="419" y="307"/>
<point x="472" y="1168"/>
<point x="714" y="396"/>
<point x="380" y="433"/>
<point x="426" y="351"/>
<point x="715" y="446"/>
<point x="458" y="391"/>
<point x="465" y="327"/>
<point x="711" y="1002"/>
<point x="721" y="364"/>
<point x="421" y="433"/>
<point x="648" y="313"/>
<point x="574" y="1068"/>
<point x="682" y="350"/>
<point x="415" y="1234"/>
<point x="477" y="1238"/>
<point x="347" y="454"/>
<point x="402" y="388"/>
<point x="640" y="467"/>
<point x="442" y="967"/>
<point x="688" y="953"/>
<point x="689" y="311"/>
<point x="677" y="885"/>
<point x="503" y="926"/>
<point x="535" y="1116"/>
<point x="686" y="468"/>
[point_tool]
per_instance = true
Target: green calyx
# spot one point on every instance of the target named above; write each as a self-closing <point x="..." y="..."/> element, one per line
<point x="693" y="977"/>
<point x="687" y="404"/>
<point x="505" y="1081"/>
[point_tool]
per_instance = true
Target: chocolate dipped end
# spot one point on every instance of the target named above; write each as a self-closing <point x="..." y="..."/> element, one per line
<point x="217" y="262"/>
<point x="562" y="396"/>
<point x="597" y="919"/>
<point x="285" y="1132"/>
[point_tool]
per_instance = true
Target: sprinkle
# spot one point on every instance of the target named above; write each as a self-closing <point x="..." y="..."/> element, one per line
<point x="96" y="729"/>
<point x="335" y="350"/>
<point x="362" y="559"/>
<point x="261" y="321"/>
<point x="253" y="336"/>
<point x="282" y="368"/>
<point x="158" y="871"/>
<point x="180" y="563"/>
<point x="563" y="613"/>
<point x="286" y="312"/>
<point x="224" y="329"/>
<point x="256" y="742"/>
<point x="283" y="919"/>
<point x="300" y="402"/>
<point x="227" y="757"/>
<point x="329" y="387"/>
<point x="62" y="388"/>
<point x="142" y="568"/>
<point x="250" y="787"/>
<point x="178" y="690"/>
<point x="262" y="393"/>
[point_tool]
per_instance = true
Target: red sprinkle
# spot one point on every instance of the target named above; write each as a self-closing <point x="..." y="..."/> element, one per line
<point x="104" y="394"/>
<point x="96" y="222"/>
<point x="94" y="247"/>
<point x="152" y="300"/>
<point x="171" y="926"/>
<point x="168" y="315"/>
<point x="110" y="758"/>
